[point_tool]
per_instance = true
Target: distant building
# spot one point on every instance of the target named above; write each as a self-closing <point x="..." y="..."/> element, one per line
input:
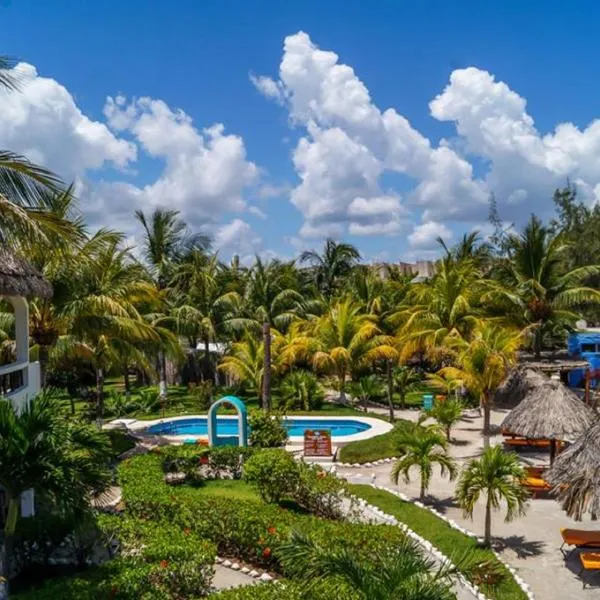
<point x="422" y="270"/>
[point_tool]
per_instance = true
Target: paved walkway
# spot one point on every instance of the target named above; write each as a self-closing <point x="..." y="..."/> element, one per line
<point x="530" y="544"/>
<point x="226" y="578"/>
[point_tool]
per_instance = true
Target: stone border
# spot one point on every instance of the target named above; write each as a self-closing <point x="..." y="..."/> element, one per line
<point x="238" y="566"/>
<point x="375" y="463"/>
<point x="429" y="546"/>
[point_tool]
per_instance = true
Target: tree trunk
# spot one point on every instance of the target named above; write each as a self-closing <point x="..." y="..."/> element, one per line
<point x="207" y="375"/>
<point x="448" y="433"/>
<point x="266" y="391"/>
<point x="127" y="382"/>
<point x="487" y="534"/>
<point x="162" y="367"/>
<point x="486" y="421"/>
<point x="422" y="492"/>
<point x="6" y="548"/>
<point x="342" y="377"/>
<point x="99" y="396"/>
<point x="402" y="399"/>
<point x="43" y="357"/>
<point x="390" y="386"/>
<point x="537" y="341"/>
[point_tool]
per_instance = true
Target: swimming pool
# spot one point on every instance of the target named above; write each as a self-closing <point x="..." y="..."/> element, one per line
<point x="340" y="427"/>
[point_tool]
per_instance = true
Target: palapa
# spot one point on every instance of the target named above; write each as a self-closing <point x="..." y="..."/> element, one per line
<point x="517" y="385"/>
<point x="19" y="278"/>
<point x="550" y="411"/>
<point x="575" y="475"/>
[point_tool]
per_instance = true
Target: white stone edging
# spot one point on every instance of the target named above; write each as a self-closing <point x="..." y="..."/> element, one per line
<point x="236" y="566"/>
<point x="429" y="546"/>
<point x="375" y="463"/>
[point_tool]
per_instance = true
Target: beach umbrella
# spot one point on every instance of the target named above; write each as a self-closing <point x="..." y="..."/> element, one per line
<point x="550" y="411"/>
<point x="575" y="475"/>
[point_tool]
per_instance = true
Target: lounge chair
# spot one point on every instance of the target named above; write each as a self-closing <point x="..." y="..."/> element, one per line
<point x="579" y="538"/>
<point x="536" y="485"/>
<point x="590" y="561"/>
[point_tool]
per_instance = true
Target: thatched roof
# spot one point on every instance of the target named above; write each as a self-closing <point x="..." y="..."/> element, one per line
<point x="19" y="278"/>
<point x="576" y="475"/>
<point x="519" y="383"/>
<point x="550" y="411"/>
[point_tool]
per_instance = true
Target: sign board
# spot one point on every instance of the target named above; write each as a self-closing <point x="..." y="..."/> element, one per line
<point x="317" y="442"/>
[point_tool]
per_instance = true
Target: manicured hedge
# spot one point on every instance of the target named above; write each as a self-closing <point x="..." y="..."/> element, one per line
<point x="287" y="590"/>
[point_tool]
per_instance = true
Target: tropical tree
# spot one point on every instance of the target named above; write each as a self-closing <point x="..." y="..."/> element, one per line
<point x="63" y="460"/>
<point x="332" y="266"/>
<point x="422" y="447"/>
<point x="404" y="380"/>
<point x="483" y="363"/>
<point x="498" y="475"/>
<point x="342" y="341"/>
<point x="534" y="285"/>
<point x="270" y="300"/>
<point x="367" y="388"/>
<point x="447" y="413"/>
<point x="301" y="390"/>
<point x="400" y="571"/>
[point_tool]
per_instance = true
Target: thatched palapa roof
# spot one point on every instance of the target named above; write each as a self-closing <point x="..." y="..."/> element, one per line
<point x="19" y="278"/>
<point x="550" y="411"/>
<point x="576" y="475"/>
<point x="520" y="382"/>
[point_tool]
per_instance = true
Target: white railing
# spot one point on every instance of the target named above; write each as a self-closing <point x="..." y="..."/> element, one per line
<point x="29" y="385"/>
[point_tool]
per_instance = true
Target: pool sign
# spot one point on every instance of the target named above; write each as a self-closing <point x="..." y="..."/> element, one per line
<point x="317" y="442"/>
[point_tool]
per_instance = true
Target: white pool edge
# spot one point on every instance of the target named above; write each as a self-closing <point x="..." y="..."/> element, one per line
<point x="377" y="427"/>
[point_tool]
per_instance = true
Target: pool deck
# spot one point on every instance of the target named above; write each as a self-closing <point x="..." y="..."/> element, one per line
<point x="141" y="428"/>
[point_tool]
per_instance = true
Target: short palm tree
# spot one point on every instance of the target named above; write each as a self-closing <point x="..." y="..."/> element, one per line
<point x="400" y="571"/>
<point x="447" y="413"/>
<point x="41" y="450"/>
<point x="422" y="447"/>
<point x="301" y="390"/>
<point x="367" y="388"/>
<point x="483" y="363"/>
<point x="404" y="380"/>
<point x="498" y="475"/>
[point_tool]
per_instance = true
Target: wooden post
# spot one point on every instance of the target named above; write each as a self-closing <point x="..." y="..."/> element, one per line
<point x="552" y="451"/>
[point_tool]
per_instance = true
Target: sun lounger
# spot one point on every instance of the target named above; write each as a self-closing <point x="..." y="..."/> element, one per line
<point x="536" y="485"/>
<point x="579" y="538"/>
<point x="523" y="442"/>
<point x="590" y="561"/>
<point x="535" y="472"/>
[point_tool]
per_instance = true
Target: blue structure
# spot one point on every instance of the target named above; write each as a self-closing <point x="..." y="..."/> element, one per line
<point x="427" y="401"/>
<point x="230" y="440"/>
<point x="584" y="345"/>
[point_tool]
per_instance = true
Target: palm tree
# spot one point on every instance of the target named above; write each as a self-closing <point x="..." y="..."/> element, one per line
<point x="330" y="267"/>
<point x="367" y="388"/>
<point x="447" y="413"/>
<point x="422" y="447"/>
<point x="400" y="571"/>
<point x="166" y="240"/>
<point x="342" y="341"/>
<point x="405" y="380"/>
<point x="301" y="390"/>
<point x="499" y="476"/>
<point x="64" y="460"/>
<point x="270" y="300"/>
<point x="483" y="363"/>
<point x="535" y="284"/>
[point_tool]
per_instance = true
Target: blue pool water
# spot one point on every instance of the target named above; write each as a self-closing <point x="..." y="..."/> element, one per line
<point x="294" y="425"/>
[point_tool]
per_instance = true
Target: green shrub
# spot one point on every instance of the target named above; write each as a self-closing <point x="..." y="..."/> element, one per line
<point x="273" y="472"/>
<point x="288" y="590"/>
<point x="266" y="430"/>
<point x="320" y="493"/>
<point x="120" y="441"/>
<point x="301" y="390"/>
<point x="228" y="460"/>
<point x="184" y="459"/>
<point x="201" y="394"/>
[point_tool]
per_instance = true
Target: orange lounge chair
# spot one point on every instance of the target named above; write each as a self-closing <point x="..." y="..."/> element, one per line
<point x="579" y="538"/>
<point x="535" y="472"/>
<point x="536" y="485"/>
<point x="590" y="561"/>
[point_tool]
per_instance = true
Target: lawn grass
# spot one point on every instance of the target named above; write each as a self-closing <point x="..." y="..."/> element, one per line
<point x="228" y="488"/>
<point x="375" y="448"/>
<point x="451" y="542"/>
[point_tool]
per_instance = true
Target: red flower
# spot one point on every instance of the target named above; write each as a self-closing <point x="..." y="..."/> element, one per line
<point x="272" y="530"/>
<point x="164" y="564"/>
<point x="267" y="552"/>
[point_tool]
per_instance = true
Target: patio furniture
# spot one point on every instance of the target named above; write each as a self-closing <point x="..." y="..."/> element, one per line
<point x="590" y="561"/>
<point x="536" y="485"/>
<point x="579" y="538"/>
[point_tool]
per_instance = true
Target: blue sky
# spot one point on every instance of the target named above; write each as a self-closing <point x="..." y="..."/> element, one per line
<point x="347" y="146"/>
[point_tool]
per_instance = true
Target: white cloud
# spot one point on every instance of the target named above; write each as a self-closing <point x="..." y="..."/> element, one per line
<point x="237" y="237"/>
<point x="424" y="236"/>
<point x="268" y="87"/>
<point x="43" y="122"/>
<point x="257" y="212"/>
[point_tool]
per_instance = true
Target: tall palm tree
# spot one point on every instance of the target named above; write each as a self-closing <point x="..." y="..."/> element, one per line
<point x="483" y="363"/>
<point x="341" y="342"/>
<point x="400" y="571"/>
<point x="43" y="451"/>
<point x="330" y="267"/>
<point x="270" y="300"/>
<point x="166" y="240"/>
<point x="535" y="287"/>
<point x="422" y="447"/>
<point x="498" y="475"/>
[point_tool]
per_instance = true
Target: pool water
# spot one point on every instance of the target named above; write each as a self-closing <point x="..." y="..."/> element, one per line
<point x="229" y="426"/>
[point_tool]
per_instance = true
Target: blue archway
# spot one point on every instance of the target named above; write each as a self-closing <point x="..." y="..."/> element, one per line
<point x="242" y="438"/>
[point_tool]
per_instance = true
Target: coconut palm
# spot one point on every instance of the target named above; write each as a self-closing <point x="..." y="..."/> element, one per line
<point x="534" y="286"/>
<point x="64" y="460"/>
<point x="332" y="266"/>
<point x="399" y="571"/>
<point x="301" y="390"/>
<point x="447" y="413"/>
<point x="483" y="363"/>
<point x="498" y="475"/>
<point x="405" y="380"/>
<point x="341" y="342"/>
<point x="367" y="388"/>
<point x="270" y="300"/>
<point x="422" y="447"/>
